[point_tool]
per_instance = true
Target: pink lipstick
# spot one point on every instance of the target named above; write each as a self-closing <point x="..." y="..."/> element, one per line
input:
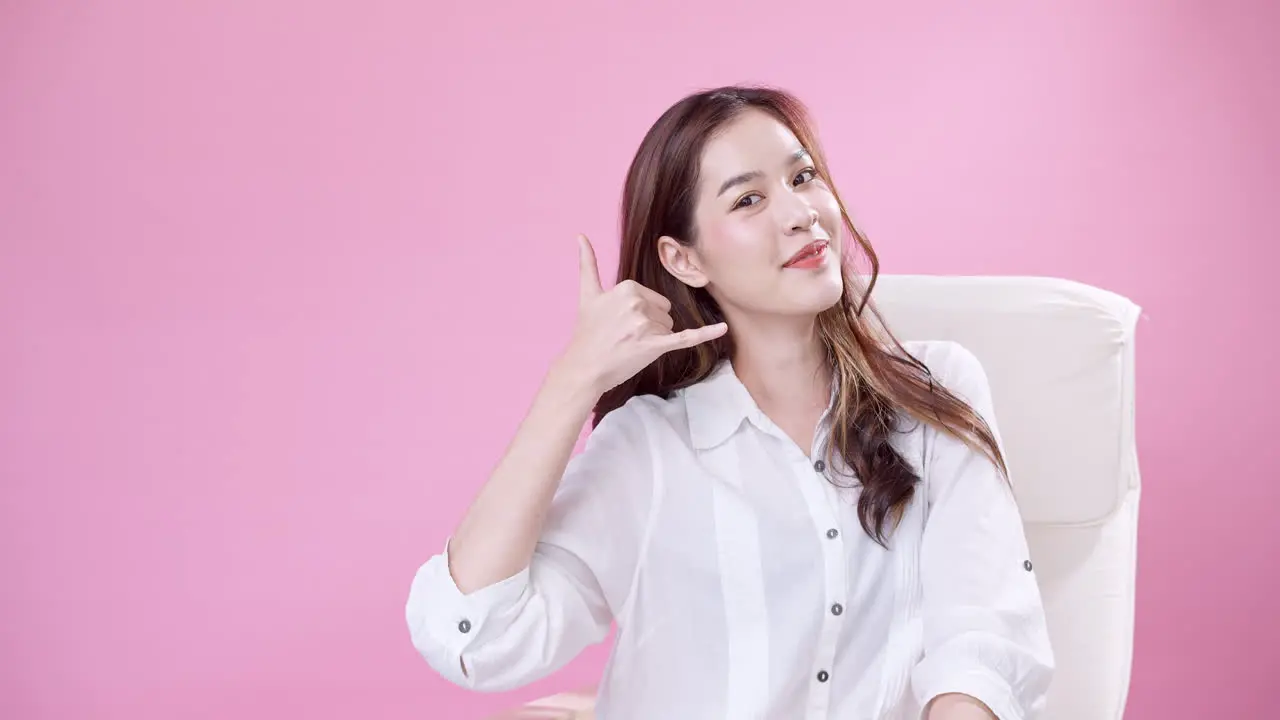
<point x="810" y="256"/>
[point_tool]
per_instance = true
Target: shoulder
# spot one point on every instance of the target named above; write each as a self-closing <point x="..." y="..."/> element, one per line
<point x="952" y="364"/>
<point x="637" y="413"/>
<point x="651" y="423"/>
<point x="637" y="420"/>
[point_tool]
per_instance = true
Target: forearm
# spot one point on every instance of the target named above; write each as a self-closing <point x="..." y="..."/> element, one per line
<point x="497" y="536"/>
<point x="955" y="706"/>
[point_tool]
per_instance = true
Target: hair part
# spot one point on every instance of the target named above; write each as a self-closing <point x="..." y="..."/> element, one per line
<point x="879" y="384"/>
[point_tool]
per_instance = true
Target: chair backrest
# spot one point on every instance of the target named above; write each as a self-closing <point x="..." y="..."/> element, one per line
<point x="1060" y="357"/>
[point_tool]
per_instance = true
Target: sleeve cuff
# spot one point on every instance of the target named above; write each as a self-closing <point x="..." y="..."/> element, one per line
<point x="440" y="614"/>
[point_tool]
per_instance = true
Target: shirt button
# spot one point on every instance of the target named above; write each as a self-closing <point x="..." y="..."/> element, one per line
<point x="832" y="533"/>
<point x="823" y="676"/>
<point x="837" y="609"/>
<point x="1026" y="565"/>
<point x="464" y="626"/>
<point x="819" y="466"/>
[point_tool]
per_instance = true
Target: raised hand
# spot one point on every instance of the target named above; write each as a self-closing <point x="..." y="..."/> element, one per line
<point x="623" y="329"/>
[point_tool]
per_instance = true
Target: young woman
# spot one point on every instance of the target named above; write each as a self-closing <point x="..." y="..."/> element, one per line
<point x="788" y="512"/>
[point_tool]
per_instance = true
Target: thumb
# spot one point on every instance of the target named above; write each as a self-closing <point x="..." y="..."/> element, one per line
<point x="588" y="270"/>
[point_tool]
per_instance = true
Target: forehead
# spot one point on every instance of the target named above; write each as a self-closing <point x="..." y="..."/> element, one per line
<point x="753" y="141"/>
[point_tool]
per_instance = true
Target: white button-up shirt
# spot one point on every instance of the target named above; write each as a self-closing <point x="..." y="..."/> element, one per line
<point x="741" y="581"/>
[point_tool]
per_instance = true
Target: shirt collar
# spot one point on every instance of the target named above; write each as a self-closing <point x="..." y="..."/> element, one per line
<point x="718" y="404"/>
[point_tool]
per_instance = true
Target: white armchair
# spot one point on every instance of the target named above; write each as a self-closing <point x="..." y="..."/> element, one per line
<point x="1060" y="357"/>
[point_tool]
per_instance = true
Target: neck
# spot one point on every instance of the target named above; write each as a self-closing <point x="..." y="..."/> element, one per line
<point x="782" y="362"/>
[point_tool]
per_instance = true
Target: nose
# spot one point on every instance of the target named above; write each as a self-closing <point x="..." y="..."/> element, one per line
<point x="801" y="216"/>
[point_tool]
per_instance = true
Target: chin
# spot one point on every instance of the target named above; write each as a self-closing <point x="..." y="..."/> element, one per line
<point x="820" y="298"/>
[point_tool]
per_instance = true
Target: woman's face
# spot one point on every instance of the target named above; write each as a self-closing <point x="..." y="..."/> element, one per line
<point x="768" y="228"/>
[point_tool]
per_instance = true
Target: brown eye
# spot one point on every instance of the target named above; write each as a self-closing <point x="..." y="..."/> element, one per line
<point x="806" y="175"/>
<point x="742" y="202"/>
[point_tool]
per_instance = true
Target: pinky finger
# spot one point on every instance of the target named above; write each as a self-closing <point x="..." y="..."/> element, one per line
<point x="694" y="336"/>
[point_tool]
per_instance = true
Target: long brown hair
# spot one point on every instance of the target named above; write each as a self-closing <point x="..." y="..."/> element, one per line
<point x="878" y="383"/>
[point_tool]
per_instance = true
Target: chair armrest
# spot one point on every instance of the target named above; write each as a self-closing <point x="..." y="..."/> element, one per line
<point x="576" y="705"/>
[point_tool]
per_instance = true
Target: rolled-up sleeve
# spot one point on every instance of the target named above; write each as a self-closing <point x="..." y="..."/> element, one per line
<point x="527" y="626"/>
<point x="984" y="625"/>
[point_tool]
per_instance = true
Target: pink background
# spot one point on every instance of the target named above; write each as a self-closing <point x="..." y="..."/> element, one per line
<point x="277" y="281"/>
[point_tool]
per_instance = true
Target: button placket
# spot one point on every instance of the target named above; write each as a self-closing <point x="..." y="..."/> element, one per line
<point x="823" y="501"/>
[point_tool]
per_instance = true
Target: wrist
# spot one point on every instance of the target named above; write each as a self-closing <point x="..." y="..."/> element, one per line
<point x="573" y="382"/>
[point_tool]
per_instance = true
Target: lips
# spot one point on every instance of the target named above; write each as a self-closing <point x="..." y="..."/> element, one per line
<point x="808" y="252"/>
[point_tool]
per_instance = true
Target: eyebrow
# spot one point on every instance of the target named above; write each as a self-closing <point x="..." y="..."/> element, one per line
<point x="800" y="154"/>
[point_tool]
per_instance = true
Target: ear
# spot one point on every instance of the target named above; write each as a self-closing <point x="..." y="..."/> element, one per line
<point x="681" y="261"/>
